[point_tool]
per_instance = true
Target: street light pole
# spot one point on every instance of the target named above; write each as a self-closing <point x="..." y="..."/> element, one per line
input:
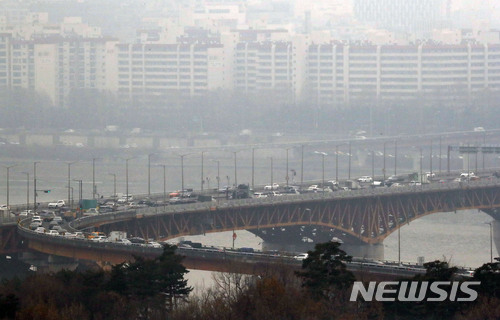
<point x="149" y="174"/>
<point x="253" y="168"/>
<point x="218" y="174"/>
<point x="34" y="185"/>
<point x="272" y="186"/>
<point x="491" y="241"/>
<point x="337" y="164"/>
<point x="323" y="154"/>
<point x="287" y="166"/>
<point x="235" y="171"/>
<point x="27" y="190"/>
<point x="126" y="175"/>
<point x="164" y="185"/>
<point x="114" y="185"/>
<point x="302" y="166"/>
<point x="373" y="165"/>
<point x="8" y="178"/>
<point x="202" y="180"/>
<point x="395" y="156"/>
<point x="69" y="182"/>
<point x="80" y="193"/>
<point x="349" y="173"/>
<point x="94" y="189"/>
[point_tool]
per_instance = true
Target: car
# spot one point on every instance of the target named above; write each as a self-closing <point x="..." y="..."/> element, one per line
<point x="467" y="175"/>
<point x="224" y="189"/>
<point x="26" y="213"/>
<point x="58" y="220"/>
<point x="313" y="187"/>
<point x="47" y="216"/>
<point x="274" y="186"/>
<point x="301" y="256"/>
<point x="36" y="219"/>
<point x="124" y="241"/>
<point x="365" y="179"/>
<point x="430" y="174"/>
<point x="259" y="195"/>
<point x="53" y="233"/>
<point x="100" y="239"/>
<point x="137" y="241"/>
<point x="56" y="228"/>
<point x="35" y="225"/>
<point x="154" y="244"/>
<point x="414" y="183"/>
<point x="40" y="230"/>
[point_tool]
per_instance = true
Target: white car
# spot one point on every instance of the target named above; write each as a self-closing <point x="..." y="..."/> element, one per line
<point x="313" y="187"/>
<point x="365" y="179"/>
<point x="301" y="256"/>
<point x="52" y="233"/>
<point x="154" y="244"/>
<point x="259" y="195"/>
<point x="274" y="186"/>
<point x="467" y="175"/>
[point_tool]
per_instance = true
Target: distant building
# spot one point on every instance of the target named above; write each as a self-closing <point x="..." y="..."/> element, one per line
<point x="416" y="17"/>
<point x="339" y="73"/>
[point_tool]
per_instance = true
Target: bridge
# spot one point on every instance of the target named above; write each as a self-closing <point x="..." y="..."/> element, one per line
<point x="364" y="216"/>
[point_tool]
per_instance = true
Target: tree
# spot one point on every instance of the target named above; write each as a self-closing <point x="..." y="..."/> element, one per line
<point x="155" y="284"/>
<point x="324" y="271"/>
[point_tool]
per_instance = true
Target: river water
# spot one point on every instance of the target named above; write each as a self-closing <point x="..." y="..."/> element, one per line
<point x="463" y="238"/>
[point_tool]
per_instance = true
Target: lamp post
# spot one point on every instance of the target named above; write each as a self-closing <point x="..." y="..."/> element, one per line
<point x="69" y="181"/>
<point x="272" y="186"/>
<point x="164" y="185"/>
<point x="286" y="177"/>
<point x="430" y="160"/>
<point x="218" y="174"/>
<point x="235" y="171"/>
<point x="126" y="175"/>
<point x="301" y="165"/>
<point x="491" y="241"/>
<point x="337" y="163"/>
<point x="421" y="157"/>
<point x="149" y="173"/>
<point x="253" y="168"/>
<point x="34" y="185"/>
<point x="8" y="178"/>
<point x="182" y="171"/>
<point x="395" y="156"/>
<point x="202" y="180"/>
<point x="80" y="193"/>
<point x="27" y="190"/>
<point x="349" y="173"/>
<point x="94" y="188"/>
<point x="114" y="185"/>
<point x="323" y="154"/>
<point x="373" y="165"/>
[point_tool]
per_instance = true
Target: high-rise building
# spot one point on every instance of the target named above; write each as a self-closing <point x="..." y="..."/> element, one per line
<point x="418" y="17"/>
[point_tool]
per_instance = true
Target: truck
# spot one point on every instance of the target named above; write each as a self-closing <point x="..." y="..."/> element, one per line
<point x="56" y="205"/>
<point x="117" y="235"/>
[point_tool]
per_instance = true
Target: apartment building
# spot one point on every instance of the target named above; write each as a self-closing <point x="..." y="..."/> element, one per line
<point x="148" y="73"/>
<point x="265" y="67"/>
<point x="339" y="73"/>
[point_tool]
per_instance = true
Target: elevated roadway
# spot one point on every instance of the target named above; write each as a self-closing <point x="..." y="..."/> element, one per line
<point x="367" y="215"/>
